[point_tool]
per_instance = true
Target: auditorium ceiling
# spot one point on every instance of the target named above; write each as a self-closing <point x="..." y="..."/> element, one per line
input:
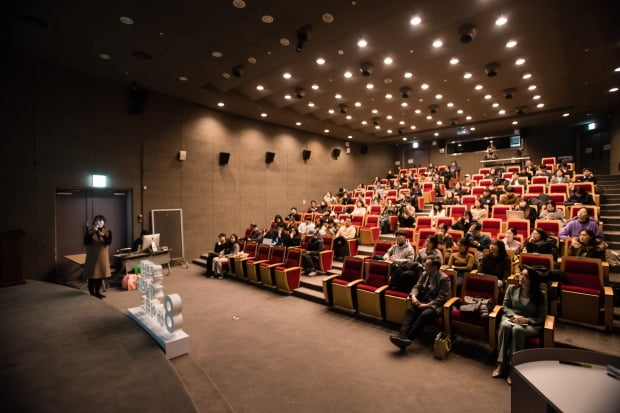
<point x="365" y="70"/>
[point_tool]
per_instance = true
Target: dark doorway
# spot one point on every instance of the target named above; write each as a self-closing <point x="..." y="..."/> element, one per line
<point x="75" y="209"/>
<point x="593" y="152"/>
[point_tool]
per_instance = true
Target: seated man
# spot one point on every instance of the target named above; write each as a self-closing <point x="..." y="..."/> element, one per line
<point x="255" y="233"/>
<point x="510" y="198"/>
<point x="580" y="222"/>
<point x="428" y="297"/>
<point x="580" y="196"/>
<point x="478" y="240"/>
<point x="310" y="257"/>
<point x="587" y="176"/>
<point x="344" y="234"/>
<point x="403" y="274"/>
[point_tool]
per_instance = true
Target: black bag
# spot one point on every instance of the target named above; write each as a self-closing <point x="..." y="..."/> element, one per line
<point x="404" y="276"/>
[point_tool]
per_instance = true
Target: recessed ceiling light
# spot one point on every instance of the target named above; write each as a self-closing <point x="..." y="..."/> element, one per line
<point x="387" y="80"/>
<point x="216" y="54"/>
<point x="501" y="20"/>
<point x="408" y="75"/>
<point x="454" y="61"/>
<point x="412" y="127"/>
<point x="104" y="56"/>
<point x="315" y="87"/>
<point x="478" y="87"/>
<point x="388" y="60"/>
<point x="429" y="117"/>
<point x="298" y="123"/>
<point x="340" y="52"/>
<point x="348" y="74"/>
<point x="415" y="20"/>
<point x="388" y="96"/>
<point x="338" y="96"/>
<point x="331" y="111"/>
<point x="502" y="112"/>
<point x="487" y="97"/>
<point x="263" y="115"/>
<point x="370" y="86"/>
<point x="436" y="134"/>
<point x="126" y="20"/>
<point x="402" y="122"/>
<point x="288" y="97"/>
<point x="226" y="75"/>
<point x="468" y="117"/>
<point x="239" y="4"/>
<point x="320" y="61"/>
<point x="424" y="86"/>
<point x="417" y="111"/>
<point x="514" y="122"/>
<point x="495" y="105"/>
<point x="437" y="43"/>
<point x="565" y="115"/>
<point x="310" y="104"/>
<point x="472" y="128"/>
<point x="349" y="117"/>
<point x="389" y="117"/>
<point x="326" y="130"/>
<point x="327" y="17"/>
<point x="183" y="78"/>
<point x="450" y="104"/>
<point x="460" y="111"/>
<point x="520" y="61"/>
<point x="260" y="88"/>
<point x="286" y="75"/>
<point x="439" y="123"/>
<point x="526" y="76"/>
<point x="536" y="97"/>
<point x="613" y="90"/>
<point x="364" y="122"/>
<point x="617" y="69"/>
<point x="438" y="96"/>
<point x="377" y="127"/>
<point x="467" y="75"/>
<point x="375" y="111"/>
<point x="220" y="104"/>
<point x="540" y="105"/>
<point x="404" y="104"/>
<point x="404" y="138"/>
<point x="350" y="137"/>
<point x="358" y="104"/>
<point x="252" y="60"/>
<point x="362" y="43"/>
<point x="389" y="130"/>
<point x="511" y="43"/>
<point x="267" y="19"/>
<point x="285" y="42"/>
<point x="531" y="87"/>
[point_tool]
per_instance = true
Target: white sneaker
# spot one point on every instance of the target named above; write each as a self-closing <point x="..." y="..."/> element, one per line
<point x="312" y="274"/>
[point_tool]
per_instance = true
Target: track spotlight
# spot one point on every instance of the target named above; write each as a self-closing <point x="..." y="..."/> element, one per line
<point x="433" y="108"/>
<point x="300" y="93"/>
<point x="467" y="33"/>
<point x="491" y="69"/>
<point x="366" y="68"/>
<point x="521" y="110"/>
<point x="303" y="35"/>
<point x="509" y="93"/>
<point x="237" y="71"/>
<point x="405" y="92"/>
<point x="343" y="108"/>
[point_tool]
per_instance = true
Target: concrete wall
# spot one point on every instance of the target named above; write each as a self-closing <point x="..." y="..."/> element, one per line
<point x="61" y="126"/>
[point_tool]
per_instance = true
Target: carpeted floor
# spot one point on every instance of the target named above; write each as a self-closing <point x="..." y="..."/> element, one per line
<point x="63" y="350"/>
<point x="257" y="351"/>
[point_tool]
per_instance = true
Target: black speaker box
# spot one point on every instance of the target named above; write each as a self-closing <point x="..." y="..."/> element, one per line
<point x="364" y="149"/>
<point x="306" y="154"/>
<point x="224" y="157"/>
<point x="336" y="153"/>
<point x="269" y="156"/>
<point x="136" y="99"/>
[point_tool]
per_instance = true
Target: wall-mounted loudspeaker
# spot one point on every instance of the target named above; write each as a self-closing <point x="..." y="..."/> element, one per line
<point x="306" y="154"/>
<point x="364" y="149"/>
<point x="336" y="153"/>
<point x="269" y="156"/>
<point x="224" y="157"/>
<point x="136" y="99"/>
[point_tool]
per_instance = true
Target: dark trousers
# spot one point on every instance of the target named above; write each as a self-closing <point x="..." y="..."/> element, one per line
<point x="310" y="261"/>
<point x="210" y="262"/>
<point x="340" y="247"/>
<point x="94" y="285"/>
<point x="415" y="320"/>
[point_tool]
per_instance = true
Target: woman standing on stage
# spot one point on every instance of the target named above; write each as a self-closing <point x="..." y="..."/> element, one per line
<point x="97" y="265"/>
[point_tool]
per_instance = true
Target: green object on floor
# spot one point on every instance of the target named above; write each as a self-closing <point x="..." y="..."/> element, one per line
<point x="136" y="269"/>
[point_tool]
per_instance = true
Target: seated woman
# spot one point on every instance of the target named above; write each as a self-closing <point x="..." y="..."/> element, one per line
<point x="451" y="199"/>
<point x="551" y="211"/>
<point x="462" y="262"/>
<point x="478" y="211"/>
<point x="586" y="245"/>
<point x="360" y="208"/>
<point x="384" y="222"/>
<point x="525" y="310"/>
<point x="459" y="190"/>
<point x="510" y="242"/>
<point x="430" y="250"/>
<point x="346" y="199"/>
<point x="406" y="217"/>
<point x="437" y="211"/>
<point x="464" y="222"/>
<point x="496" y="262"/>
<point x="559" y="177"/>
<point x="443" y="238"/>
<point x="539" y="241"/>
<point x="580" y="196"/>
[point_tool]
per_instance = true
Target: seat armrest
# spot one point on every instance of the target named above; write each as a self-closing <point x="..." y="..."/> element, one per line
<point x="549" y="332"/>
<point x="447" y="320"/>
<point x="381" y="289"/>
<point x="608" y="307"/>
<point x="354" y="283"/>
<point x="330" y="278"/>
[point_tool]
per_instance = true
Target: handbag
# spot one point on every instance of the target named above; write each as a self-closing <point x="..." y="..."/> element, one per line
<point x="443" y="345"/>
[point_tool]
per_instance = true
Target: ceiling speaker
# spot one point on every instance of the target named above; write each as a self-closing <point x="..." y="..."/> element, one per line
<point x="269" y="156"/>
<point x="306" y="154"/>
<point x="336" y="153"/>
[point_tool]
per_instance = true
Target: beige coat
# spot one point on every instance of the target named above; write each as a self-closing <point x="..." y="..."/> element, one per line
<point x="97" y="263"/>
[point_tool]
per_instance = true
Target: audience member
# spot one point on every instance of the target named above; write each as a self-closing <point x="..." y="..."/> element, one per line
<point x="430" y="250"/>
<point x="539" y="241"/>
<point x="529" y="212"/>
<point x="292" y="238"/>
<point x="580" y="196"/>
<point x="477" y="239"/>
<point x="293" y="217"/>
<point x="587" y="176"/>
<point x="510" y="197"/>
<point x="427" y="297"/>
<point x="525" y="310"/>
<point x="586" y="245"/>
<point x="478" y="211"/>
<point x="388" y="211"/>
<point x="341" y="241"/>
<point x="464" y="222"/>
<point x="232" y="250"/>
<point x="459" y="190"/>
<point x="218" y="250"/>
<point x="487" y="199"/>
<point x="401" y="252"/>
<point x="551" y="212"/>
<point x="313" y="206"/>
<point x="310" y="257"/>
<point x="406" y="218"/>
<point x="489" y="154"/>
<point x="443" y="238"/>
<point x="496" y="262"/>
<point x="360" y="208"/>
<point x="436" y="211"/>
<point x="462" y="261"/>
<point x="255" y="233"/>
<point x="276" y="234"/>
<point x="306" y="226"/>
<point x="582" y="221"/>
<point x="511" y="243"/>
<point x="559" y="178"/>
<point x="529" y="169"/>
<point x="451" y="199"/>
